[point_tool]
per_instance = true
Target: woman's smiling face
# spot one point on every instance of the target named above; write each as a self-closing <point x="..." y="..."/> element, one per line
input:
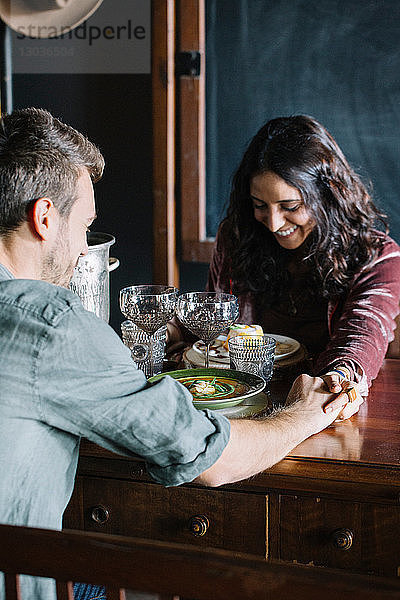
<point x="280" y="208"/>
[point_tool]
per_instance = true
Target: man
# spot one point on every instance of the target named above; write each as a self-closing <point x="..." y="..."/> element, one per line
<point x="65" y="373"/>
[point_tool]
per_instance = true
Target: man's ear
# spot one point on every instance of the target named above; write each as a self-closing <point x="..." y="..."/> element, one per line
<point x="43" y="215"/>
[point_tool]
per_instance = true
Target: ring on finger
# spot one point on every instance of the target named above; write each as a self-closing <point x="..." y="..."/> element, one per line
<point x="341" y="375"/>
<point x="352" y="392"/>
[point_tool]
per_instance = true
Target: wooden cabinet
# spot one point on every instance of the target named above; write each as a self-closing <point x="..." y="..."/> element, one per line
<point x="356" y="536"/>
<point x="360" y="537"/>
<point x="207" y="518"/>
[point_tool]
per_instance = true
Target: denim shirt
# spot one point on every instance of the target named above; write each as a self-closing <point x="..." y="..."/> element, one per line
<point x="65" y="374"/>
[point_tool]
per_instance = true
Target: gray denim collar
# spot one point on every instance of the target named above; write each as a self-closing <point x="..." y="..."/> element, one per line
<point x="5" y="273"/>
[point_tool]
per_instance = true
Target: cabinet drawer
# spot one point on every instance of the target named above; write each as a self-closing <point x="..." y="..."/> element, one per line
<point x="234" y="521"/>
<point x="354" y="536"/>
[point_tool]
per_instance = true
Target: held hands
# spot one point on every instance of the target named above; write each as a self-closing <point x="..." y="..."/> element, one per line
<point x="317" y="406"/>
<point x="338" y="380"/>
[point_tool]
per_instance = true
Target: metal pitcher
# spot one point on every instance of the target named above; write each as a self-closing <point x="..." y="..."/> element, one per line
<point x="90" y="280"/>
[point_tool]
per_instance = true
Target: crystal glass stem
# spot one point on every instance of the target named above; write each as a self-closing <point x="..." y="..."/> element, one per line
<point x="151" y="348"/>
<point x="208" y="344"/>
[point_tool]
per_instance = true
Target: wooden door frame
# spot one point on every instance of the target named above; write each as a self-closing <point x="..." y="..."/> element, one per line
<point x="191" y="94"/>
<point x="165" y="267"/>
<point x="178" y="26"/>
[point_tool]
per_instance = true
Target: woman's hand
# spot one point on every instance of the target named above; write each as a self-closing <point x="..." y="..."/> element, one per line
<point x="333" y="381"/>
<point x="338" y="380"/>
<point x="174" y="334"/>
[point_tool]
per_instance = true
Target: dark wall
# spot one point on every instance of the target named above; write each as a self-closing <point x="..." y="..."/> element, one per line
<point x="115" y="112"/>
<point x="193" y="276"/>
<point x="337" y="60"/>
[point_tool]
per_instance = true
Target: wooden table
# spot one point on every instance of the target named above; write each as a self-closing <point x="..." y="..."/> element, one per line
<point x="333" y="502"/>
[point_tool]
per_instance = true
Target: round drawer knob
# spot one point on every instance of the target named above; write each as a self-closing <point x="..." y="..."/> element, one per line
<point x="100" y="514"/>
<point x="137" y="472"/>
<point x="198" y="525"/>
<point x="342" y="538"/>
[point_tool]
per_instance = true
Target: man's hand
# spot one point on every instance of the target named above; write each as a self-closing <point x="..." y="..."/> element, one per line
<point x="319" y="406"/>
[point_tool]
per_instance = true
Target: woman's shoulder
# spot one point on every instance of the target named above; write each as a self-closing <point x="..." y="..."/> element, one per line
<point x="386" y="260"/>
<point x="391" y="242"/>
<point x="224" y="236"/>
<point x="388" y="248"/>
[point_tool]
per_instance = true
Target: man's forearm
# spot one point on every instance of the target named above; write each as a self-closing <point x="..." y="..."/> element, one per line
<point x="257" y="445"/>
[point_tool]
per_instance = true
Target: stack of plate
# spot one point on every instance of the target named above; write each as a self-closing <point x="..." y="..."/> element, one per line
<point x="288" y="353"/>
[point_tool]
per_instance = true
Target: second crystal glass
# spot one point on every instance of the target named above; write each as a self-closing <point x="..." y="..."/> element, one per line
<point x="148" y="306"/>
<point x="207" y="314"/>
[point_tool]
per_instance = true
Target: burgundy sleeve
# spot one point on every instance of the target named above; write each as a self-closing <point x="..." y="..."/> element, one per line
<point x="362" y="331"/>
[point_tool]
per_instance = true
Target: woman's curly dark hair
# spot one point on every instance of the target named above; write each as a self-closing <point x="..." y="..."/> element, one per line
<point x="300" y="150"/>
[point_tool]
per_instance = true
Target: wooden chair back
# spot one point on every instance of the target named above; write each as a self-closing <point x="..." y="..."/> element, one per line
<point x="172" y="570"/>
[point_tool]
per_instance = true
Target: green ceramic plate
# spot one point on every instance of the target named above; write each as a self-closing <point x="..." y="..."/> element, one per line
<point x="216" y="388"/>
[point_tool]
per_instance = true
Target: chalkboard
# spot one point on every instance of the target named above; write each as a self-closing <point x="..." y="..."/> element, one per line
<point x="337" y="60"/>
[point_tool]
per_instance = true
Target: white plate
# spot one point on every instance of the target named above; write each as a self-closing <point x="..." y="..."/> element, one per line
<point x="196" y="359"/>
<point x="285" y="346"/>
<point x="217" y="353"/>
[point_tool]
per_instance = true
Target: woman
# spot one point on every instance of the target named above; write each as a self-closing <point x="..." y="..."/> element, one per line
<point x="300" y="249"/>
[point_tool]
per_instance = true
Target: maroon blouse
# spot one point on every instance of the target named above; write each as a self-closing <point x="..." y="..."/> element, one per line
<point x="359" y="327"/>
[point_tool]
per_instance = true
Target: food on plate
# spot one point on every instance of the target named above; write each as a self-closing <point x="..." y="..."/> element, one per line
<point x="217" y="350"/>
<point x="219" y="353"/>
<point x="213" y="387"/>
<point x="201" y="388"/>
<point x="244" y="330"/>
<point x="282" y="348"/>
